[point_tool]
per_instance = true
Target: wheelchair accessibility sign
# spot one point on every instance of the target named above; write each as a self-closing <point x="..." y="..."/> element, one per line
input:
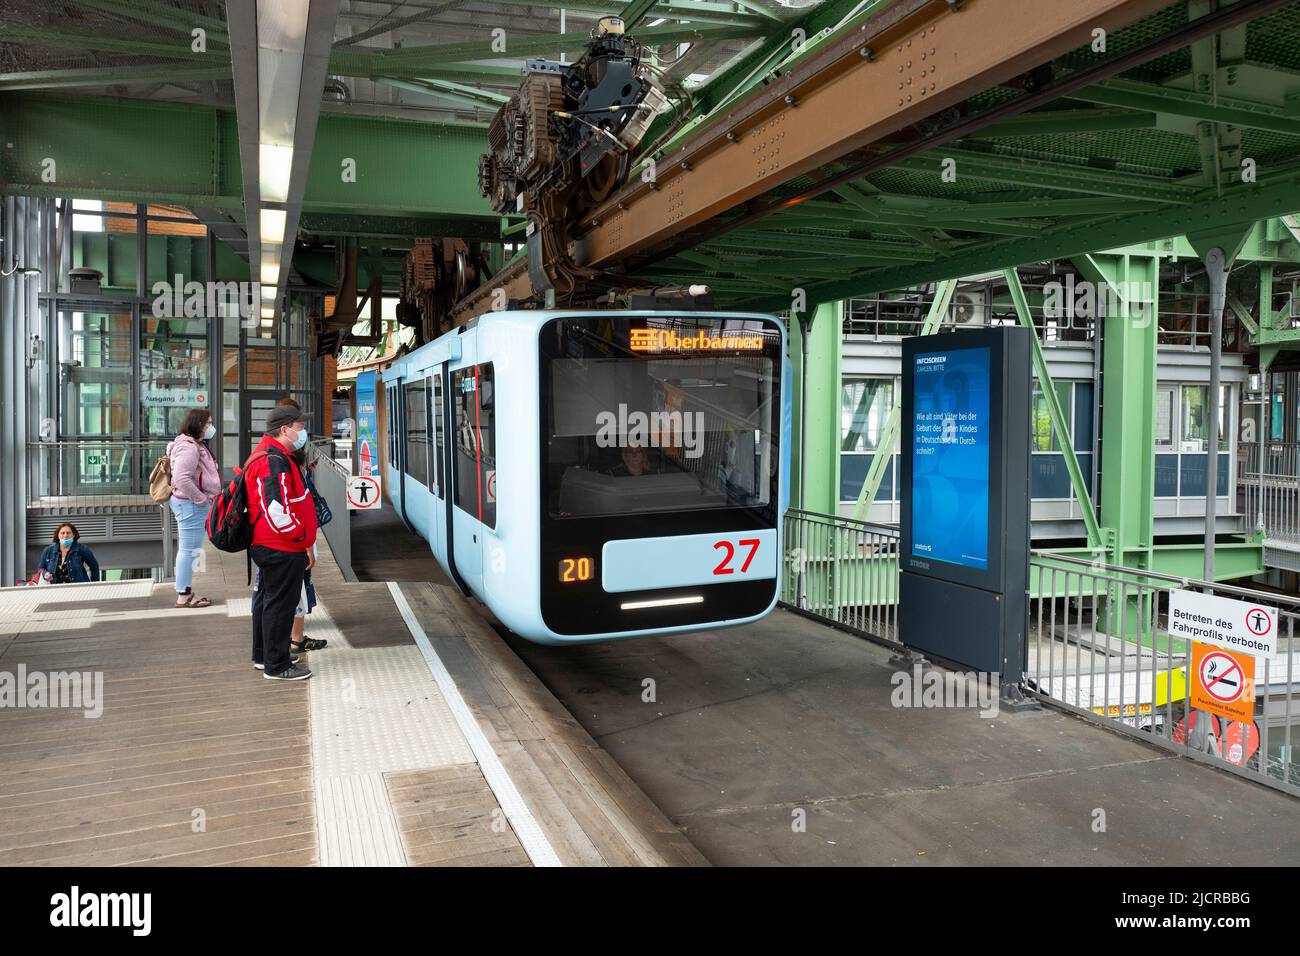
<point x="363" y="493"/>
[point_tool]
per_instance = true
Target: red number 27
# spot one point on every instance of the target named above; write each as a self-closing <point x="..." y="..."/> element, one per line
<point x="723" y="565"/>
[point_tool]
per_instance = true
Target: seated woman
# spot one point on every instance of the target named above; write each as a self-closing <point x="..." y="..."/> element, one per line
<point x="67" y="560"/>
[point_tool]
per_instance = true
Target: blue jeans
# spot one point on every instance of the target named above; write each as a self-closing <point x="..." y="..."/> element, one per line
<point x="191" y="522"/>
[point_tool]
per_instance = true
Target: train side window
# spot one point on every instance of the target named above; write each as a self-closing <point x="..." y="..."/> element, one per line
<point x="474" y="422"/>
<point x="417" y="433"/>
<point x="437" y="433"/>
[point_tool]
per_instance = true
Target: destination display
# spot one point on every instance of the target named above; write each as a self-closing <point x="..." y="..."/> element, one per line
<point x="950" y="457"/>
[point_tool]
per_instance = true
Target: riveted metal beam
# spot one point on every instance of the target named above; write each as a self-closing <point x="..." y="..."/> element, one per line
<point x="931" y="57"/>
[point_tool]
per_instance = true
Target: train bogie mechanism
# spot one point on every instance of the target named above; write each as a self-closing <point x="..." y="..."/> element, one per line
<point x="564" y="141"/>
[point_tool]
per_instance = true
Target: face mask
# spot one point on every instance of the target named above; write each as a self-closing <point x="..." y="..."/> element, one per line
<point x="209" y="432"/>
<point x="300" y="440"/>
<point x="66" y="542"/>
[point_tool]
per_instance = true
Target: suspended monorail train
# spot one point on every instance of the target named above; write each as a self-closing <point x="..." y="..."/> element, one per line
<point x="597" y="475"/>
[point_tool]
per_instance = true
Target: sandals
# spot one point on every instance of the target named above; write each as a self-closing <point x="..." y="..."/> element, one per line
<point x="193" y="600"/>
<point x="307" y="644"/>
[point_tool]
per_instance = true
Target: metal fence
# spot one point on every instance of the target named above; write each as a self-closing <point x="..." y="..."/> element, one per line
<point x="1098" y="641"/>
<point x="1100" y="644"/>
<point x="843" y="570"/>
<point x="1268" y="486"/>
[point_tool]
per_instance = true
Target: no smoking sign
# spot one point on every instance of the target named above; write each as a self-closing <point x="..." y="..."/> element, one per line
<point x="1225" y="682"/>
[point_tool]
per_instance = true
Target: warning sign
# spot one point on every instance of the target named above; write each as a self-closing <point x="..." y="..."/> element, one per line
<point x="363" y="493"/>
<point x="1236" y="625"/>
<point x="1223" y="682"/>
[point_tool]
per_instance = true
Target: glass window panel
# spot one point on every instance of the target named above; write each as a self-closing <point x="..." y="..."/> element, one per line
<point x="865" y="405"/>
<point x="173" y="373"/>
<point x="1043" y="436"/>
<point x="1164" y="418"/>
<point x="1083" y="416"/>
<point x="417" y="433"/>
<point x="1195" y="422"/>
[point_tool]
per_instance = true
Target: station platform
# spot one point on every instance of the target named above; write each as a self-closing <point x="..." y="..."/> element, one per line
<point x="420" y="740"/>
<point x="749" y="725"/>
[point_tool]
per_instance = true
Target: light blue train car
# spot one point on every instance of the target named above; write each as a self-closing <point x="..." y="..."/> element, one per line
<point x="596" y="475"/>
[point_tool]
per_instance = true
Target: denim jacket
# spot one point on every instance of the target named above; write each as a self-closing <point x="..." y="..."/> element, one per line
<point x="82" y="565"/>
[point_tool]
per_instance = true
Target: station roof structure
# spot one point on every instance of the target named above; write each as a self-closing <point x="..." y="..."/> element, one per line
<point x="1202" y="136"/>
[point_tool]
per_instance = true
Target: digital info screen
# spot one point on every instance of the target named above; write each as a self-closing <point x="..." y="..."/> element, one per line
<point x="950" y="457"/>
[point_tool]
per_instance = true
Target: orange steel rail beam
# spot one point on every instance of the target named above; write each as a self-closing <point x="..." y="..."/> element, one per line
<point x="906" y="63"/>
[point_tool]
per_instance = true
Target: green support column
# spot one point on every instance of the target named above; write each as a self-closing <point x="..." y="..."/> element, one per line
<point x="823" y="466"/>
<point x="1128" y="399"/>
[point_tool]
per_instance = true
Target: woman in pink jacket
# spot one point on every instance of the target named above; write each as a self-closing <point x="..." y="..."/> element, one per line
<point x="195" y="482"/>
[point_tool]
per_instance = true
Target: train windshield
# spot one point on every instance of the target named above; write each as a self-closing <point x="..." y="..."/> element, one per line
<point x="660" y="414"/>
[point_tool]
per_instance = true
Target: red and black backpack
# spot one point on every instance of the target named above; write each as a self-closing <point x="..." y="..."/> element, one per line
<point x="230" y="526"/>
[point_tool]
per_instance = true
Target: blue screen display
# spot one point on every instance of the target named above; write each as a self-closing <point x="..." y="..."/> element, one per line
<point x="950" y="457"/>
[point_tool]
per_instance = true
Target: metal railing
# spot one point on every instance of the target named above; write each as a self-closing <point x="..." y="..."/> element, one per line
<point x="1056" y="305"/>
<point x="844" y="571"/>
<point x="330" y="476"/>
<point x="1097" y="641"/>
<point x="1100" y="645"/>
<point x="1269" y="496"/>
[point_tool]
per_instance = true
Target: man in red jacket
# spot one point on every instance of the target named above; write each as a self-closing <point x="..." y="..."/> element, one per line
<point x="284" y="529"/>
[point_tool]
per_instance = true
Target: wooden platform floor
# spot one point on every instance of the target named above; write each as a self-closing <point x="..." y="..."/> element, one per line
<point x="196" y="760"/>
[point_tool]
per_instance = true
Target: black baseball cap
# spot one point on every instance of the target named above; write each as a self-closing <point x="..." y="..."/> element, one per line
<point x="283" y="415"/>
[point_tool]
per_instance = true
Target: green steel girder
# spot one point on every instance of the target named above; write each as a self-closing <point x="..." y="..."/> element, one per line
<point x="1038" y="208"/>
<point x="1275" y="194"/>
<point x="634" y="11"/>
<point x="1127" y="413"/>
<point x="178" y="49"/>
<point x="1056" y="122"/>
<point x="752" y="241"/>
<point x="460" y="93"/>
<point x="101" y="149"/>
<point x="1042" y="174"/>
<point x="822" y="444"/>
<point x="874" y="209"/>
<point x="1273" y="336"/>
<point x="1190" y="104"/>
<point x="411" y="61"/>
<point x="1258" y="247"/>
<point x="1233" y="560"/>
<point x="1059" y="422"/>
<point x="703" y="11"/>
<point x="402" y="166"/>
<point x="160" y="15"/>
<point x="100" y="146"/>
<point x="111" y="75"/>
<point x="402" y="228"/>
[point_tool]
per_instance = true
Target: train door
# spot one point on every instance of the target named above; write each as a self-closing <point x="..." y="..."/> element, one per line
<point x="436" y="519"/>
<point x="464" y="484"/>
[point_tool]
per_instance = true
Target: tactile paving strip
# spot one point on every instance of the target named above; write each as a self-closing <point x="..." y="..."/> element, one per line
<point x="373" y="710"/>
<point x="531" y="835"/>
